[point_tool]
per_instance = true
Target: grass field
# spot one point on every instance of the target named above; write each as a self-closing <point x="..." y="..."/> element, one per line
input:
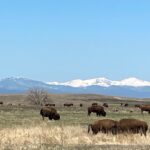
<point x="22" y="127"/>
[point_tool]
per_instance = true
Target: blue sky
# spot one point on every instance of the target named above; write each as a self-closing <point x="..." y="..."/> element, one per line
<point x="64" y="40"/>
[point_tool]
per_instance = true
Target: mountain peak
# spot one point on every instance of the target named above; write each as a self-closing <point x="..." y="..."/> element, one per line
<point x="104" y="82"/>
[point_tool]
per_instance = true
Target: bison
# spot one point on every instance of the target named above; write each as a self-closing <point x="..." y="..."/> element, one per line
<point x="68" y="104"/>
<point x="132" y="126"/>
<point x="137" y="105"/>
<point x="104" y="126"/>
<point x="49" y="112"/>
<point x="145" y="108"/>
<point x="81" y="105"/>
<point x="105" y="105"/>
<point x="1" y="103"/>
<point x="94" y="104"/>
<point x="48" y="104"/>
<point x="99" y="110"/>
<point x="126" y="105"/>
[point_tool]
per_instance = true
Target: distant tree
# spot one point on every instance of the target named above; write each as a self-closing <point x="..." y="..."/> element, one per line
<point x="37" y="96"/>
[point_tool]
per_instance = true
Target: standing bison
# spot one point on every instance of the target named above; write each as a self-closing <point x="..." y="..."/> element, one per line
<point x="145" y="108"/>
<point x="68" y="104"/>
<point x="99" y="110"/>
<point x="1" y="103"/>
<point x="49" y="112"/>
<point x="81" y="105"/>
<point x="104" y="126"/>
<point x="132" y="126"/>
<point x="48" y="104"/>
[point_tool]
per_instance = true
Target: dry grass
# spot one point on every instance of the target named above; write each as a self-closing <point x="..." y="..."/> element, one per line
<point x="22" y="128"/>
<point x="33" y="137"/>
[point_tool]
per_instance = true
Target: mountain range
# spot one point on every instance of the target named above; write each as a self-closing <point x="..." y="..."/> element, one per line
<point x="130" y="87"/>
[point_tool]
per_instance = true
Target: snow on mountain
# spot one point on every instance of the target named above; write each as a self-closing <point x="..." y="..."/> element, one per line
<point x="104" y="86"/>
<point x="104" y="82"/>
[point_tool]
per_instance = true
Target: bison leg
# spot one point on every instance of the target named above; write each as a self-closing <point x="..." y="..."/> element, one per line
<point x="89" y="113"/>
<point x="114" y="130"/>
<point x="43" y="117"/>
<point x="144" y="131"/>
<point x="97" y="114"/>
<point x="89" y="126"/>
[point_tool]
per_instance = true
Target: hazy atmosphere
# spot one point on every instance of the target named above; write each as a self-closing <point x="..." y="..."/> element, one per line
<point x="65" y="40"/>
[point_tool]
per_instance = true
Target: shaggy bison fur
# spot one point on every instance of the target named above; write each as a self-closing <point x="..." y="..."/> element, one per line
<point x="99" y="110"/>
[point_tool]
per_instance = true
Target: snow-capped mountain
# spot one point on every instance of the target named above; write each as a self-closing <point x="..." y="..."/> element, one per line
<point x="131" y="87"/>
<point x="104" y="82"/>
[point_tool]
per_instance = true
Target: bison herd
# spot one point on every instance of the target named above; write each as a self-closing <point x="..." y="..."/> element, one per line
<point x="105" y="125"/>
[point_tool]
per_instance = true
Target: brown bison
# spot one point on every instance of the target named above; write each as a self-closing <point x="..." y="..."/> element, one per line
<point x="145" y="108"/>
<point x="48" y="104"/>
<point x="1" y="103"/>
<point x="104" y="126"/>
<point x="99" y="110"/>
<point x="81" y="105"/>
<point x="9" y="104"/>
<point x="68" y="104"/>
<point x="126" y="105"/>
<point x="116" y="110"/>
<point x="137" y="105"/>
<point x="49" y="112"/>
<point x="105" y="105"/>
<point x="94" y="104"/>
<point x="132" y="126"/>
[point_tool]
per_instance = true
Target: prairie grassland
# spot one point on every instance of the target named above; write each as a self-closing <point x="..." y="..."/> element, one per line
<point x="23" y="128"/>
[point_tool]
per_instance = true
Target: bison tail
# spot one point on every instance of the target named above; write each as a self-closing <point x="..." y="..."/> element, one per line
<point x="89" y="126"/>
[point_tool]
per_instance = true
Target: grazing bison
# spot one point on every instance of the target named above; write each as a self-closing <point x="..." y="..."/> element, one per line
<point x="104" y="126"/>
<point x="48" y="104"/>
<point x="1" y="103"/>
<point x="99" y="110"/>
<point x="81" y="105"/>
<point x="126" y="105"/>
<point x="9" y="104"/>
<point x="94" y="104"/>
<point x="145" y="108"/>
<point x="116" y="110"/>
<point x="49" y="112"/>
<point x="68" y="104"/>
<point x="132" y="126"/>
<point x="137" y="105"/>
<point x="105" y="105"/>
